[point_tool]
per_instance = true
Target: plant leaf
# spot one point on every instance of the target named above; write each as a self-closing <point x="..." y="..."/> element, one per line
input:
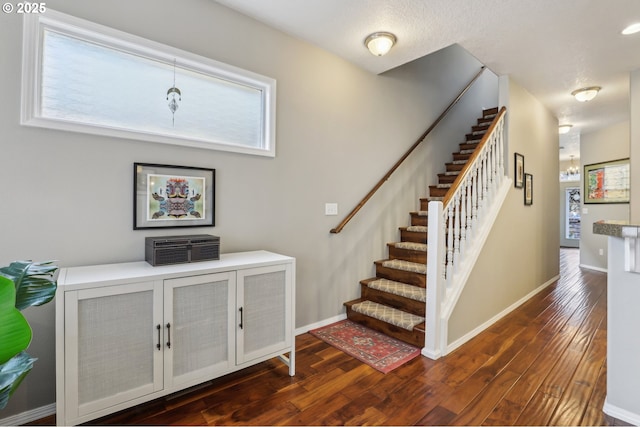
<point x="12" y="373"/>
<point x="33" y="282"/>
<point x="15" y="332"/>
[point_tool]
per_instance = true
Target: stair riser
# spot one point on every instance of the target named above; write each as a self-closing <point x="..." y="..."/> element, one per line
<point x="396" y="301"/>
<point x="419" y="220"/>
<point x="490" y="112"/>
<point x="452" y="167"/>
<point x="407" y="255"/>
<point x="468" y="145"/>
<point x="415" y="279"/>
<point x="415" y="337"/>
<point x="412" y="236"/>
<point x="446" y="179"/>
<point x="437" y="192"/>
<point x="459" y="156"/>
<point x="480" y="128"/>
<point x="473" y="137"/>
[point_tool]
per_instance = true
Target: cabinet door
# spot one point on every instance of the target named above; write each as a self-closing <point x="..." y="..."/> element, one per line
<point x="111" y="346"/>
<point x="199" y="328"/>
<point x="264" y="311"/>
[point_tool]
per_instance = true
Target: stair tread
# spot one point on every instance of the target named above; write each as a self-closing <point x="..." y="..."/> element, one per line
<point x="398" y="288"/>
<point x="412" y="246"/>
<point x="387" y="314"/>
<point x="398" y="264"/>
<point x="420" y="213"/>
<point x="417" y="228"/>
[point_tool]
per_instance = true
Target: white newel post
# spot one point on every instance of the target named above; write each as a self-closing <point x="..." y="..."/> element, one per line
<point x="435" y="280"/>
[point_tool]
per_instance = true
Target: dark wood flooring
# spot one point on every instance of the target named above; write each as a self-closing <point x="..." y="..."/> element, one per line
<point x="543" y="364"/>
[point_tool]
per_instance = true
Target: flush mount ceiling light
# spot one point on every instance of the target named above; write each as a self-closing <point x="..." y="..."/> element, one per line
<point x="631" y="29"/>
<point x="562" y="129"/>
<point x="586" y="93"/>
<point x="380" y="43"/>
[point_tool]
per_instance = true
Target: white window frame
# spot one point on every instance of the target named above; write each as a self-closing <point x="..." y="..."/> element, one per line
<point x="33" y="37"/>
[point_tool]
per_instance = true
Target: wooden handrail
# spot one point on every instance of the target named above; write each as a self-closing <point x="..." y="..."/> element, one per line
<point x="467" y="167"/>
<point x="402" y="159"/>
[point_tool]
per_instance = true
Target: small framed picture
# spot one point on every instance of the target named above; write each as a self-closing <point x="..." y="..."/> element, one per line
<point x="166" y="196"/>
<point x="518" y="173"/>
<point x="528" y="189"/>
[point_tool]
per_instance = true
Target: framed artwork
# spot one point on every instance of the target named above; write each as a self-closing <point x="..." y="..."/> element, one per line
<point x="166" y="196"/>
<point x="518" y="173"/>
<point x="607" y="182"/>
<point x="528" y="189"/>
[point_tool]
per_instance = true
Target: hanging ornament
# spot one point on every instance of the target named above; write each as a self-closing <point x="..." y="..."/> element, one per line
<point x="173" y="91"/>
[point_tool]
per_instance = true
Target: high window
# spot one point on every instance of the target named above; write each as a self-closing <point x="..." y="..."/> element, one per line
<point x="81" y="76"/>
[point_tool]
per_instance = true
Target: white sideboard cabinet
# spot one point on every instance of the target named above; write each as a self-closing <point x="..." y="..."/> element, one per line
<point x="129" y="333"/>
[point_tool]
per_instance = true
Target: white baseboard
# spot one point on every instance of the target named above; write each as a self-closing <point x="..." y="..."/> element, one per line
<point x="591" y="267"/>
<point x="621" y="414"/>
<point x="467" y="337"/>
<point x="320" y="324"/>
<point x="29" y="416"/>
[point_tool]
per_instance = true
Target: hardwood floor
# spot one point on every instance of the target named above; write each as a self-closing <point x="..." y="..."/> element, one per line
<point x="543" y="364"/>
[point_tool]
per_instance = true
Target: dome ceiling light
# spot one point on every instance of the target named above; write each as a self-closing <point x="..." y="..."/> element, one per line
<point x="631" y="29"/>
<point x="562" y="129"/>
<point x="586" y="93"/>
<point x="380" y="43"/>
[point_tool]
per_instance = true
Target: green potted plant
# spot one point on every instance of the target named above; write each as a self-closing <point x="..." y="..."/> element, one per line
<point x="22" y="284"/>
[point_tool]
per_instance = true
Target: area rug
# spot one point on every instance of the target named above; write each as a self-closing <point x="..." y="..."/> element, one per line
<point x="371" y="347"/>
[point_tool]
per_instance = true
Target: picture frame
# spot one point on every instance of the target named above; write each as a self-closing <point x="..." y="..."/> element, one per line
<point x="518" y="170"/>
<point x="528" y="189"/>
<point x="169" y="196"/>
<point x="607" y="182"/>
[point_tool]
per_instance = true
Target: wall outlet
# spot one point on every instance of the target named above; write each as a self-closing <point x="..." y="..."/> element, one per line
<point x="331" y="209"/>
<point x="601" y="251"/>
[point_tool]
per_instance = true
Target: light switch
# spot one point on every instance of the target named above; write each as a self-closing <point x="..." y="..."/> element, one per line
<point x="331" y="209"/>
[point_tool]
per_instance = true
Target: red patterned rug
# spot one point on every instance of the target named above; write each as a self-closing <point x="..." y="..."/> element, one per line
<point x="371" y="347"/>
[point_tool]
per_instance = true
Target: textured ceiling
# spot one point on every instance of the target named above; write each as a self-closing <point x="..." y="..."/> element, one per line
<point x="550" y="47"/>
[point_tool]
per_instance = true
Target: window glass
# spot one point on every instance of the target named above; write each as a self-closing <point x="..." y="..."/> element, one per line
<point x="87" y="82"/>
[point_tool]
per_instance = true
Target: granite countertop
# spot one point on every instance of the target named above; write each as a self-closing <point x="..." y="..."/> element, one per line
<point x="616" y="228"/>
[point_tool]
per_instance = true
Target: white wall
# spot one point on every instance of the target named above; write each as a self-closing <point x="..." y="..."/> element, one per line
<point x="611" y="143"/>
<point x="522" y="251"/>
<point x="67" y="196"/>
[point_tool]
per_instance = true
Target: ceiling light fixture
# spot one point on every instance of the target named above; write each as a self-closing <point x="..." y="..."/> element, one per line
<point x="562" y="129"/>
<point x="631" y="29"/>
<point x="586" y="93"/>
<point x="380" y="43"/>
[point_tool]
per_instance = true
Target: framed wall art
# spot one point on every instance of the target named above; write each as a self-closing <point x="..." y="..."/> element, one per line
<point x="528" y="189"/>
<point x="518" y="173"/>
<point x="166" y="196"/>
<point x="607" y="182"/>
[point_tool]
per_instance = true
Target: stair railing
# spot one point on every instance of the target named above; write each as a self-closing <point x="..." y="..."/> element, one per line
<point x="454" y="227"/>
<point x="422" y="137"/>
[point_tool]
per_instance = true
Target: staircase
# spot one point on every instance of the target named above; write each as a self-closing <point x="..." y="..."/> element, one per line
<point x="394" y="302"/>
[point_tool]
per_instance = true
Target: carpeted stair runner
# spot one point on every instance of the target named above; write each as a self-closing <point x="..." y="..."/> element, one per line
<point x="398" y="288"/>
<point x="417" y="228"/>
<point x="412" y="246"/>
<point x="387" y="314"/>
<point x="403" y="265"/>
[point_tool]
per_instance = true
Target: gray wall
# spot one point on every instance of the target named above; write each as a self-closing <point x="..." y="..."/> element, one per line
<point x="611" y="143"/>
<point x="339" y="129"/>
<point x="522" y="252"/>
